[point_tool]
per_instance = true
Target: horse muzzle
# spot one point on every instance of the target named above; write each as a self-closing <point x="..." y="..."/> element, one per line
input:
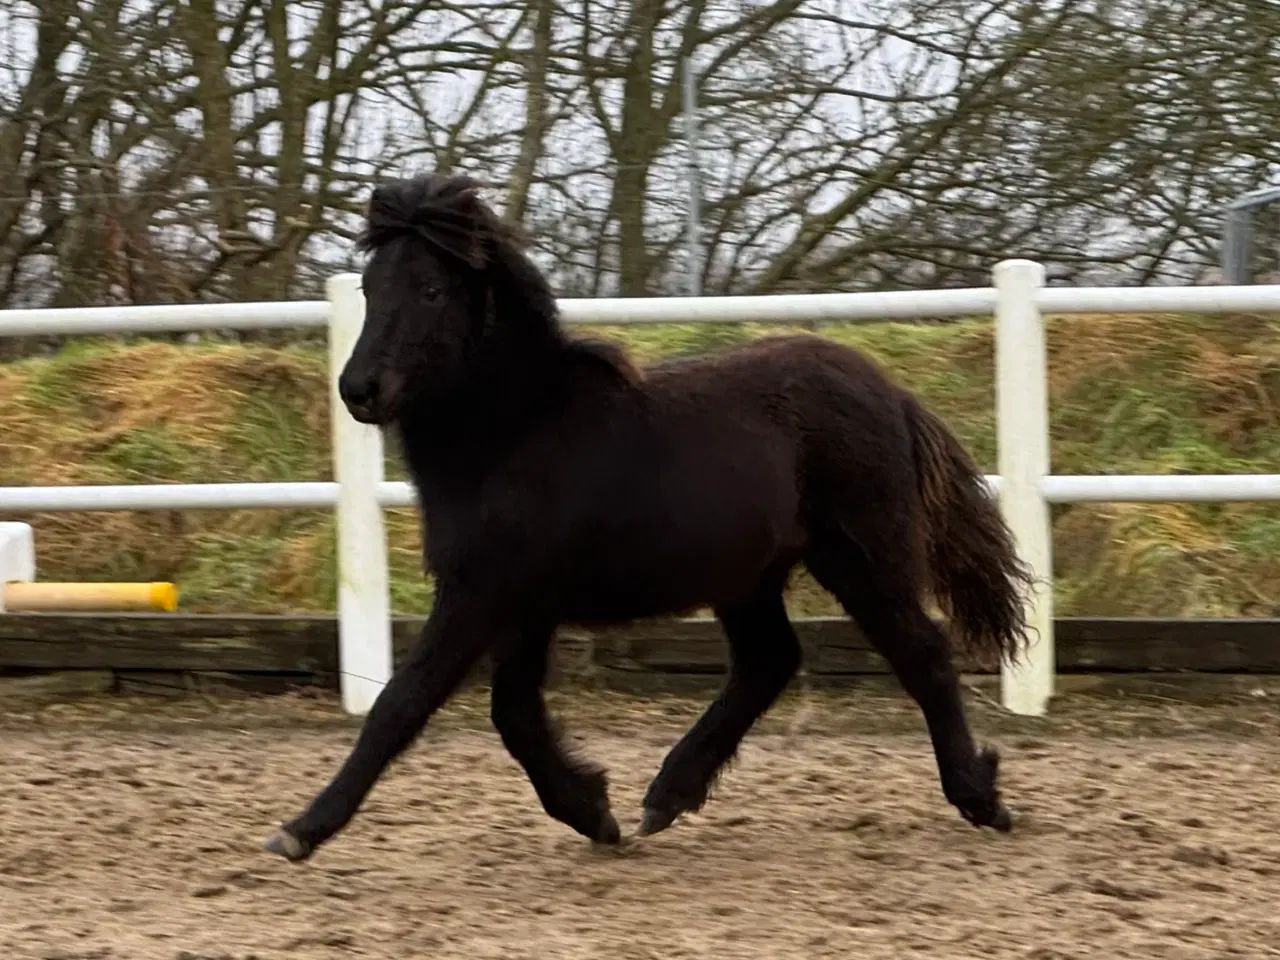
<point x="374" y="400"/>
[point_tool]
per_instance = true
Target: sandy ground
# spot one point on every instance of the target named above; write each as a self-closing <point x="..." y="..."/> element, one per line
<point x="127" y="835"/>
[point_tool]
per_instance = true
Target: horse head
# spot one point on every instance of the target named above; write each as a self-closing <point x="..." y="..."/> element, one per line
<point x="433" y="247"/>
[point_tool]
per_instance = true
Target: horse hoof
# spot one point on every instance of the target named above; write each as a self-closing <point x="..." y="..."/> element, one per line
<point x="608" y="833"/>
<point x="284" y="844"/>
<point x="1002" y="821"/>
<point x="655" y="821"/>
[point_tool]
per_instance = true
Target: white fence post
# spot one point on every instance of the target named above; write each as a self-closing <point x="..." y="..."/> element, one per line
<point x="1022" y="443"/>
<point x="17" y="555"/>
<point x="364" y="605"/>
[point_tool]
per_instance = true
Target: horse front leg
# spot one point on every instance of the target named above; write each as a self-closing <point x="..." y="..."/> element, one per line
<point x="455" y="636"/>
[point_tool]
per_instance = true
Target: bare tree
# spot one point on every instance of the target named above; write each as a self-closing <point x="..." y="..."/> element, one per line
<point x="160" y="150"/>
<point x="211" y="149"/>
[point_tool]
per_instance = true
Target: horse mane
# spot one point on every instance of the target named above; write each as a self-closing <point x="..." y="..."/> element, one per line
<point x="610" y="354"/>
<point x="447" y="212"/>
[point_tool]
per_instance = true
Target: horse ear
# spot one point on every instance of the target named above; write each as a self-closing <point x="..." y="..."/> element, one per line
<point x="379" y="205"/>
<point x="472" y="206"/>
<point x="483" y="229"/>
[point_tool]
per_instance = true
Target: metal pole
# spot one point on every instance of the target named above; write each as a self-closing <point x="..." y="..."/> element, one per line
<point x="1237" y="231"/>
<point x="1235" y="246"/>
<point x="694" y="233"/>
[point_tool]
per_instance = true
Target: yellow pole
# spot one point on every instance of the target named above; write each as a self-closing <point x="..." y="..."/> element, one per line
<point x="22" y="597"/>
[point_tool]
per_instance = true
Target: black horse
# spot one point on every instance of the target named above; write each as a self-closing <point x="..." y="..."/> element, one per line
<point x="559" y="484"/>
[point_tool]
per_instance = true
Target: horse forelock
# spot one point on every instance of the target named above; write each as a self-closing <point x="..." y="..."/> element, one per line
<point x="445" y="211"/>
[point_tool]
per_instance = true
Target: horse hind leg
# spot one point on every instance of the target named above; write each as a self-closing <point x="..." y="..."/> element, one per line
<point x="883" y="597"/>
<point x="764" y="654"/>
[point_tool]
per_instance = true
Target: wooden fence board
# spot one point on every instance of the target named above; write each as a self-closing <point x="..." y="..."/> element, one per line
<point x="168" y="642"/>
<point x="307" y="645"/>
<point x="1087" y="644"/>
<point x="834" y="646"/>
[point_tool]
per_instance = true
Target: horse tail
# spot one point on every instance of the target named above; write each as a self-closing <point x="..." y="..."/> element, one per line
<point x="976" y="575"/>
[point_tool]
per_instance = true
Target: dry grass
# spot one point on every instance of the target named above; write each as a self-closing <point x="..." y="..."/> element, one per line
<point x="1129" y="395"/>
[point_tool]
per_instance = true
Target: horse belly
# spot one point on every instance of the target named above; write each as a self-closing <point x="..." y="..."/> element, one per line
<point x="695" y="539"/>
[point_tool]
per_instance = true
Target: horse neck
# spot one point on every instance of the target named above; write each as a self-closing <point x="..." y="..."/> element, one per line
<point x="511" y="384"/>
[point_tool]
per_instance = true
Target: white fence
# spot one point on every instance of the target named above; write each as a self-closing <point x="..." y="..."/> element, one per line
<point x="359" y="493"/>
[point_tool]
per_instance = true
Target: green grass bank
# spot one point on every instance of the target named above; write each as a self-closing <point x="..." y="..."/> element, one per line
<point x="1153" y="394"/>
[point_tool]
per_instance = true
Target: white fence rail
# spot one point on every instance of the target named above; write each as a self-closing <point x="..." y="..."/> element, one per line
<point x="359" y="493"/>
